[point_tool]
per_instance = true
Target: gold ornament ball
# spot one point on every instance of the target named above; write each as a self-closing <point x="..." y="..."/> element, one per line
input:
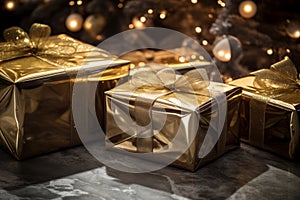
<point x="227" y="48"/>
<point x="74" y="22"/>
<point x="94" y="24"/>
<point x="247" y="9"/>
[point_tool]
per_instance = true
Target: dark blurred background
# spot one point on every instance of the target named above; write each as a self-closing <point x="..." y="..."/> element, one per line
<point x="267" y="30"/>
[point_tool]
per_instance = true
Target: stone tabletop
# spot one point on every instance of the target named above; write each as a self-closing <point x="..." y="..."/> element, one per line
<point x="245" y="173"/>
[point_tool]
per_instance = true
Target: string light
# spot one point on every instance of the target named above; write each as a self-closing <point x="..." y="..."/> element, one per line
<point x="181" y="59"/>
<point x="131" y="26"/>
<point x="194" y="1"/>
<point x="270" y="51"/>
<point x="10" y="5"/>
<point x="150" y="11"/>
<point x="198" y="29"/>
<point x="221" y="3"/>
<point x="247" y="9"/>
<point x="137" y="23"/>
<point x="201" y="58"/>
<point x="143" y="19"/>
<point x="204" y="42"/>
<point x="71" y="3"/>
<point x="288" y="50"/>
<point x="210" y="16"/>
<point x="163" y="14"/>
<point x="74" y="22"/>
<point x="120" y="5"/>
<point x="79" y="2"/>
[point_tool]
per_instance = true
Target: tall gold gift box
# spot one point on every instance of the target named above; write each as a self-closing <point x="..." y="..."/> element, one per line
<point x="270" y="109"/>
<point x="37" y="74"/>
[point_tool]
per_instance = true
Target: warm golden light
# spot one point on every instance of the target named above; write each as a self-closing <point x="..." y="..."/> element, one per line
<point x="120" y="5"/>
<point x="137" y="23"/>
<point x="163" y="15"/>
<point x="227" y="56"/>
<point x="193" y="57"/>
<point x="204" y="42"/>
<point x="181" y="59"/>
<point x="79" y="2"/>
<point x="296" y="34"/>
<point x="221" y="53"/>
<point x="198" y="29"/>
<point x="10" y="5"/>
<point x="293" y="29"/>
<point x="131" y="26"/>
<point x="143" y="19"/>
<point x="150" y="11"/>
<point x="74" y="22"/>
<point x="270" y="51"/>
<point x="71" y="3"/>
<point x="288" y="50"/>
<point x="247" y="9"/>
<point x="221" y="3"/>
<point x="99" y="37"/>
<point x="194" y="1"/>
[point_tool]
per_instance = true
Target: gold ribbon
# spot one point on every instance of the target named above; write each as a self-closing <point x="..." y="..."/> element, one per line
<point x="158" y="84"/>
<point x="280" y="79"/>
<point x="60" y="50"/>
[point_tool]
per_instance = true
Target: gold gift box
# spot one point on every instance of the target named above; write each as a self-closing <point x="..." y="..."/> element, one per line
<point x="270" y="109"/>
<point x="122" y="98"/>
<point x="36" y="91"/>
<point x="180" y="59"/>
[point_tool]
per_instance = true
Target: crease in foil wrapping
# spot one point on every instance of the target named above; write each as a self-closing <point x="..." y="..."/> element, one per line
<point x="181" y="107"/>
<point x="37" y="74"/>
<point x="270" y="109"/>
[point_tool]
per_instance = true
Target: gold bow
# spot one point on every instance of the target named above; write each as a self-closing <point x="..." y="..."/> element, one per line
<point x="160" y="83"/>
<point x="281" y="82"/>
<point x="37" y="43"/>
<point x="58" y="50"/>
<point x="282" y="77"/>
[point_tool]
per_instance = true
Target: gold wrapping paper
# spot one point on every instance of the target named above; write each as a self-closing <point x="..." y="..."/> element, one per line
<point x="181" y="60"/>
<point x="160" y="98"/>
<point x="37" y="74"/>
<point x="270" y="109"/>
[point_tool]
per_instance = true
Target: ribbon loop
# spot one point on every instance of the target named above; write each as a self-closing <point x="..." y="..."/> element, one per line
<point x="18" y="37"/>
<point x="38" y="43"/>
<point x="38" y="32"/>
<point x="282" y="76"/>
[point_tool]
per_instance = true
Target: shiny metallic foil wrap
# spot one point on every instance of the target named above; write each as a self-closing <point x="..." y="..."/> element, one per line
<point x="270" y="109"/>
<point x="180" y="59"/>
<point x="36" y="85"/>
<point x="161" y="141"/>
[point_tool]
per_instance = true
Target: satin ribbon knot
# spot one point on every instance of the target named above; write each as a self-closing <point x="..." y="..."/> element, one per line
<point x="37" y="43"/>
<point x="282" y="77"/>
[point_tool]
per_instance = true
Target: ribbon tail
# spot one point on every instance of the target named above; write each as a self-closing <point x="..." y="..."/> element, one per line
<point x="257" y="122"/>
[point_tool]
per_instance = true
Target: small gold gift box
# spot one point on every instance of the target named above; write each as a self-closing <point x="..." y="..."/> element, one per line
<point x="181" y="120"/>
<point x="270" y="109"/>
<point x="37" y="74"/>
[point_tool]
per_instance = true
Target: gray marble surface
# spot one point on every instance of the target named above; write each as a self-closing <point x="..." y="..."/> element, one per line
<point x="245" y="173"/>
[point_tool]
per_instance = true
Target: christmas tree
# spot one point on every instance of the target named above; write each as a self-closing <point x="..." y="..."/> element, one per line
<point x="260" y="32"/>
